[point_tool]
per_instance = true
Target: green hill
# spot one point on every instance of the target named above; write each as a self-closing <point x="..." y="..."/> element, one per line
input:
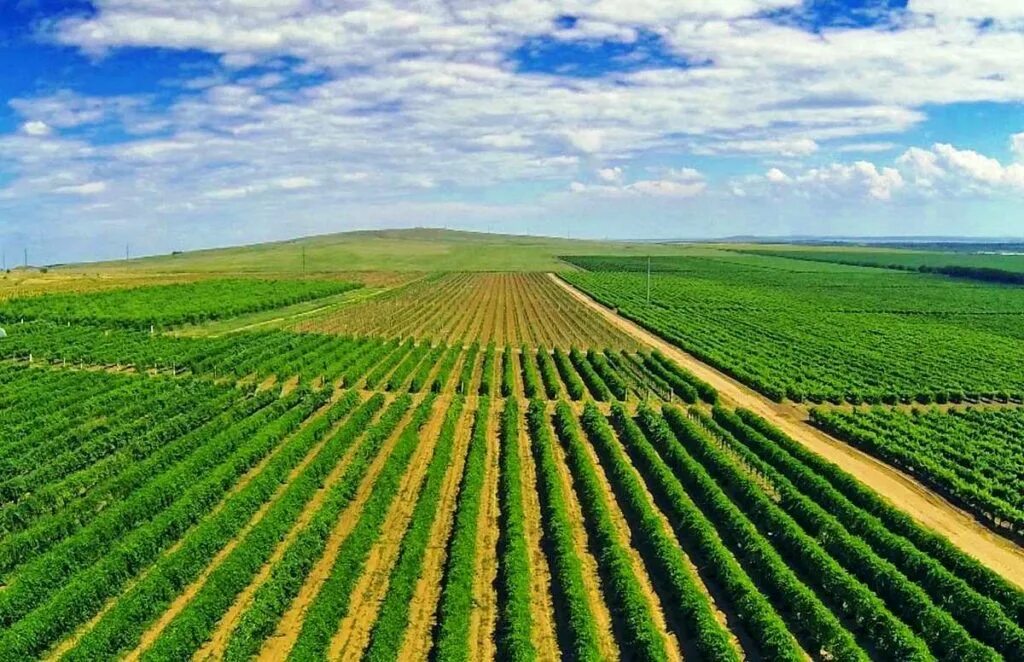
<point x="419" y="249"/>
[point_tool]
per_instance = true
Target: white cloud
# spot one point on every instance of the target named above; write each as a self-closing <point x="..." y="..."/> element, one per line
<point x="786" y="147"/>
<point x="680" y="183"/>
<point x="395" y="98"/>
<point x="294" y="183"/>
<point x="586" y="140"/>
<point x="961" y="170"/>
<point x="866" y="147"/>
<point x="860" y="178"/>
<point x="89" y="188"/>
<point x="36" y="128"/>
<point x="1017" y="145"/>
<point x="504" y="140"/>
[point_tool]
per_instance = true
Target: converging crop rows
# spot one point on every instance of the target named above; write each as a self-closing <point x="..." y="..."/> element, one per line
<point x="348" y="524"/>
<point x="503" y="308"/>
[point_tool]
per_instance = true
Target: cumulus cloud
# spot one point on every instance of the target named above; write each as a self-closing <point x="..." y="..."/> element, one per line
<point x="860" y="178"/>
<point x="36" y="128"/>
<point x="675" y="183"/>
<point x="610" y="175"/>
<point x="961" y="169"/>
<point x="394" y="99"/>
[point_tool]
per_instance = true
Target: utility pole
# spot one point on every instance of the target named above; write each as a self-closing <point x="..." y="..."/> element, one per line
<point x="26" y="257"/>
<point x="648" y="280"/>
<point x="303" y="259"/>
<point x="127" y="253"/>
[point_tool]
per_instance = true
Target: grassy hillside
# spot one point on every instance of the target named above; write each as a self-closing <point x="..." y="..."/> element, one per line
<point x="388" y="250"/>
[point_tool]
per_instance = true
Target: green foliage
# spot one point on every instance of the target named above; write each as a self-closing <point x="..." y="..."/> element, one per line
<point x="573" y="384"/>
<point x="976" y="457"/>
<point x="392" y="619"/>
<point x="122" y="626"/>
<point x="508" y="372"/>
<point x="487" y="372"/>
<point x="924" y="592"/>
<point x="598" y="389"/>
<point x="812" y="331"/>
<point x="568" y="590"/>
<point x="514" y="611"/>
<point x="548" y="372"/>
<point x="622" y="589"/>
<point x="333" y="599"/>
<point x="274" y="596"/>
<point x="167" y="305"/>
<point x="873" y="619"/>
<point x="451" y="632"/>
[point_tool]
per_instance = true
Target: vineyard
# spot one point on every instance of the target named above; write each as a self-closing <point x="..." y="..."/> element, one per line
<point x="350" y="524"/>
<point x="168" y="305"/>
<point x="975" y="456"/>
<point x="503" y="308"/>
<point x="484" y="466"/>
<point x="803" y="331"/>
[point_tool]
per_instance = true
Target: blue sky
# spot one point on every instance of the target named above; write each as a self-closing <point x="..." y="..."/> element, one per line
<point x="180" y="125"/>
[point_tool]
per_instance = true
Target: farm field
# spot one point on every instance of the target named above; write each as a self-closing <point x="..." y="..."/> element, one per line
<point x="504" y="308"/>
<point x="974" y="455"/>
<point x="489" y="466"/>
<point x="805" y="331"/>
<point x="167" y="305"/>
<point x="990" y="265"/>
<point x="642" y="509"/>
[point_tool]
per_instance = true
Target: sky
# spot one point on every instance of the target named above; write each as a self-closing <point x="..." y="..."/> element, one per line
<point x="157" y="126"/>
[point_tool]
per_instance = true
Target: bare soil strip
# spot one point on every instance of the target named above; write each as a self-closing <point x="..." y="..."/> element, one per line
<point x="672" y="644"/>
<point x="281" y="642"/>
<point x="423" y="609"/>
<point x="215" y="648"/>
<point x="353" y="634"/>
<point x="541" y="606"/>
<point x="182" y="601"/>
<point x="925" y="506"/>
<point x="484" y="617"/>
<point x="598" y="606"/>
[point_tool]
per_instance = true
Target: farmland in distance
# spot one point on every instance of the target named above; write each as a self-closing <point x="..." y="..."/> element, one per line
<point x="485" y="466"/>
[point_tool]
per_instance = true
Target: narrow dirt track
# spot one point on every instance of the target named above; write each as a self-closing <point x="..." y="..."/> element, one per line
<point x="353" y="635"/>
<point x="926" y="507"/>
<point x="423" y="607"/>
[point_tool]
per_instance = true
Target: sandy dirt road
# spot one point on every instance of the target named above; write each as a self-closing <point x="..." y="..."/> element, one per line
<point x="925" y="506"/>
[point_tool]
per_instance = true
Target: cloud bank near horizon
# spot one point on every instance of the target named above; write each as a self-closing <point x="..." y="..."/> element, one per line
<point x="175" y="125"/>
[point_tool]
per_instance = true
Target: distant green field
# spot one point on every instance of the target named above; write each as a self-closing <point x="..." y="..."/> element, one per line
<point x="899" y="258"/>
<point x="388" y="250"/>
<point x="806" y="330"/>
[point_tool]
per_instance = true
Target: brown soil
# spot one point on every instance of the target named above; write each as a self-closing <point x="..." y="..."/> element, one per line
<point x="183" y="599"/>
<point x="423" y="608"/>
<point x="926" y="507"/>
<point x="541" y="607"/>
<point x="484" y="616"/>
<point x="215" y="647"/>
<point x="598" y="606"/>
<point x="288" y="628"/>
<point x="639" y="569"/>
<point x="354" y="632"/>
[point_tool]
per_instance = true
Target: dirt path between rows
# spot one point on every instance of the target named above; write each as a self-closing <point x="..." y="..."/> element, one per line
<point x="279" y="645"/>
<point x="423" y="606"/>
<point x="484" y="616"/>
<point x="541" y="605"/>
<point x="926" y="507"/>
<point x="353" y="635"/>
